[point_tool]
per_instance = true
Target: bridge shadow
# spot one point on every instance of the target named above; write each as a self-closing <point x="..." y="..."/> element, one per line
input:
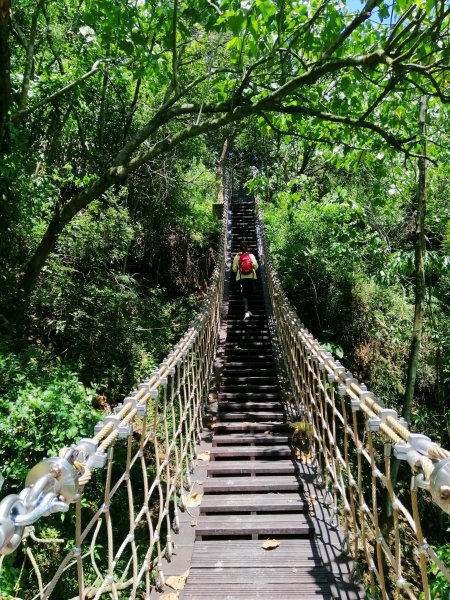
<point x="329" y="539"/>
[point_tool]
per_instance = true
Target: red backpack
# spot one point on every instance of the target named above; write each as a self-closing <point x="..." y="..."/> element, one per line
<point x="245" y="264"/>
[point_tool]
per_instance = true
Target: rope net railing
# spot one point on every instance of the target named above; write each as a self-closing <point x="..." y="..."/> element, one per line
<point x="127" y="483"/>
<point x="352" y="437"/>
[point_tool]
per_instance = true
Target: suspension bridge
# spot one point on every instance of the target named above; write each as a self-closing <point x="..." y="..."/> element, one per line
<point x="250" y="464"/>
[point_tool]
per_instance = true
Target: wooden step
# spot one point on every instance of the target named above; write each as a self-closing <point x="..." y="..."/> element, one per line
<point x="241" y="403"/>
<point x="251" y="416"/>
<point x="234" y="503"/>
<point x="253" y="390"/>
<point x="301" y="553"/>
<point x="249" y="438"/>
<point x="251" y="380"/>
<point x="247" y="338"/>
<point x="250" y="427"/>
<point x="250" y="333"/>
<point x="265" y="584"/>
<point x="250" y="396"/>
<point x="258" y="468"/>
<point x="248" y="367"/>
<point x="266" y="452"/>
<point x="243" y="346"/>
<point x="261" y="483"/>
<point x="230" y="372"/>
<point x="254" y="525"/>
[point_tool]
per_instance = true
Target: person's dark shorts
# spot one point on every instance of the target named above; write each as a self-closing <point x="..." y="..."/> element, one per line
<point x="247" y="286"/>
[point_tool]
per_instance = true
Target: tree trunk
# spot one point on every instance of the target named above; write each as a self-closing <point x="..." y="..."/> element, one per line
<point x="420" y="290"/>
<point x="101" y="116"/>
<point x="419" y="255"/>
<point x="28" y="70"/>
<point x="56" y="226"/>
<point x="5" y="69"/>
<point x="219" y="172"/>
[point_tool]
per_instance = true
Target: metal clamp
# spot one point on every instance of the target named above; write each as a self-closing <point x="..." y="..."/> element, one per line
<point x="124" y="430"/>
<point x="364" y="395"/>
<point x="141" y="409"/>
<point x="345" y="385"/>
<point x="373" y="423"/>
<point x="87" y="453"/>
<point x="412" y="450"/>
<point x="172" y="356"/>
<point x="440" y="484"/>
<point x="10" y="533"/>
<point x="338" y="372"/>
<point x="50" y="486"/>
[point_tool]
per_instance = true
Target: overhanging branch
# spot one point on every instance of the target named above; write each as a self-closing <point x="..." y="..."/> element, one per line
<point x="20" y="114"/>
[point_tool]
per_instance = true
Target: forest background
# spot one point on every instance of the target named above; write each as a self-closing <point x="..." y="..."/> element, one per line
<point x="114" y="117"/>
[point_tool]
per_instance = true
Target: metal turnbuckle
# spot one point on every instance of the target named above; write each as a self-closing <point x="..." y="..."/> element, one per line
<point x="51" y="486"/>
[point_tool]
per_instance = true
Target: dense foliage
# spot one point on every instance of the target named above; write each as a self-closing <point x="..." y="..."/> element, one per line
<point x="343" y="245"/>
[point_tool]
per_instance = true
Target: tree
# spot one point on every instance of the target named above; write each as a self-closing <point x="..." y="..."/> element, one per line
<point x="332" y="74"/>
<point x="5" y="68"/>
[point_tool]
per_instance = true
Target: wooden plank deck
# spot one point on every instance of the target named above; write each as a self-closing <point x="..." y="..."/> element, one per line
<point x="254" y="494"/>
<point x="252" y="486"/>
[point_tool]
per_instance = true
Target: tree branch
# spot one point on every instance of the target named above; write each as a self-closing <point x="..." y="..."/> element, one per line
<point x="309" y="138"/>
<point x="353" y="122"/>
<point x="390" y="86"/>
<point x="20" y="114"/>
<point x="164" y="115"/>
<point x="214" y="6"/>
<point x="5" y="70"/>
<point x="174" y="47"/>
<point x="29" y="57"/>
<point x="395" y="37"/>
<point x="308" y="25"/>
<point x="18" y="33"/>
<point x="360" y="18"/>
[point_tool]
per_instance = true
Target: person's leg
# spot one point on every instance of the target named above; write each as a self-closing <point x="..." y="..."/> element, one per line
<point x="247" y="292"/>
<point x="251" y="286"/>
<point x="244" y="295"/>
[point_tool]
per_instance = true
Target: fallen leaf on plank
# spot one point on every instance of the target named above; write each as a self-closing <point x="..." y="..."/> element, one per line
<point x="177" y="582"/>
<point x="203" y="456"/>
<point x="270" y="544"/>
<point x="169" y="596"/>
<point x="194" y="499"/>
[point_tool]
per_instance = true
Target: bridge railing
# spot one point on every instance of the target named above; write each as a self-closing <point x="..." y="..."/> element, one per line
<point x="352" y="437"/>
<point x="124" y="487"/>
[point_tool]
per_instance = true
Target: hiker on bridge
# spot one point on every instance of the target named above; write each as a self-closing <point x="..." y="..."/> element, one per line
<point x="245" y="266"/>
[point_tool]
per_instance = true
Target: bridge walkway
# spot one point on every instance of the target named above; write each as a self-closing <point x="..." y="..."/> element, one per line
<point x="253" y="485"/>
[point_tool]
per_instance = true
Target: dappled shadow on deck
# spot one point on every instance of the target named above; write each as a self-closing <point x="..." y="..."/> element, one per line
<point x="252" y="485"/>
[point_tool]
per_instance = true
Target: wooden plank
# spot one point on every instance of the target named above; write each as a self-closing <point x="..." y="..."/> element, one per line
<point x="248" y="395"/>
<point x="250" y="438"/>
<point x="250" y="380"/>
<point x="226" y="591"/>
<point x="263" y="483"/>
<point x="267" y="452"/>
<point x="251" y="426"/>
<point x="262" y="525"/>
<point x="261" y="467"/>
<point x="249" y="415"/>
<point x="233" y="503"/>
<point x="263" y="576"/>
<point x="268" y="385"/>
<point x="226" y="405"/>
<point x="248" y="553"/>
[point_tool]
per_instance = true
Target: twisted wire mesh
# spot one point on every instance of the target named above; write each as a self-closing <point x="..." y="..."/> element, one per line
<point x="125" y="513"/>
<point x="353" y="461"/>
